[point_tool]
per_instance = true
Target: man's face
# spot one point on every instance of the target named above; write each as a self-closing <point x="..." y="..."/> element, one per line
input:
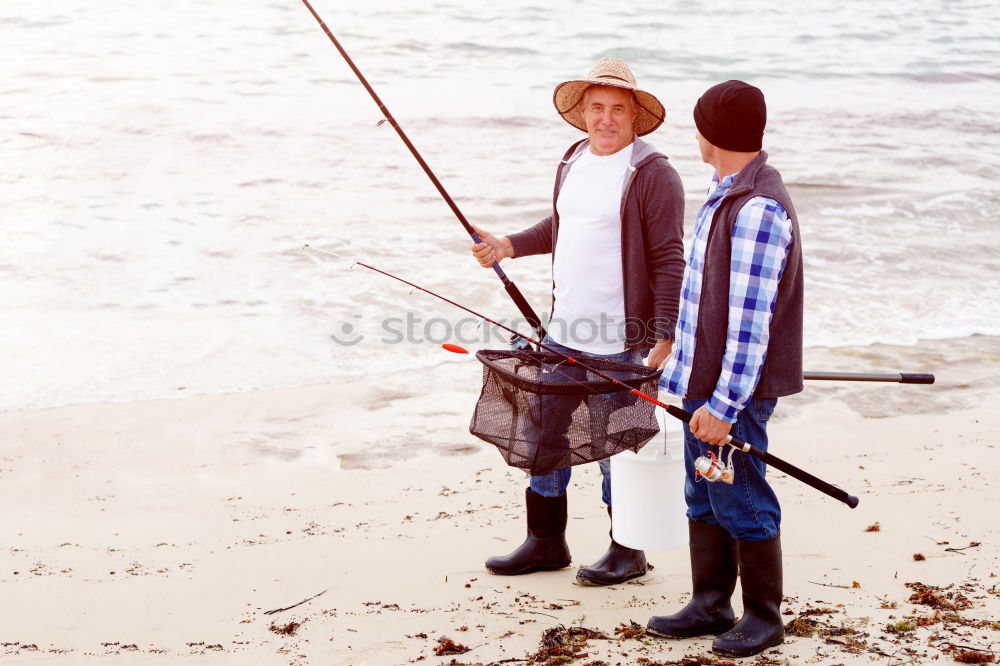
<point x="707" y="149"/>
<point x="609" y="114"/>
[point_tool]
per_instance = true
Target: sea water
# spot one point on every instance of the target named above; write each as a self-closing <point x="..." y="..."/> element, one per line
<point x="163" y="165"/>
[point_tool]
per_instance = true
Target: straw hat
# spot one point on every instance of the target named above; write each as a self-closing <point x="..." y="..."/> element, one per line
<point x="608" y="72"/>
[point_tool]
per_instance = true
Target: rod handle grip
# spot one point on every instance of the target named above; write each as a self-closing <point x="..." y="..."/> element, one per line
<point x="916" y="378"/>
<point x="851" y="501"/>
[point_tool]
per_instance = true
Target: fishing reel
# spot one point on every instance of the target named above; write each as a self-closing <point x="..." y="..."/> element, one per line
<point x="712" y="469"/>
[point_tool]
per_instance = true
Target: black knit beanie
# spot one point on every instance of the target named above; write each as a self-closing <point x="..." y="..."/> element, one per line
<point x="732" y="116"/>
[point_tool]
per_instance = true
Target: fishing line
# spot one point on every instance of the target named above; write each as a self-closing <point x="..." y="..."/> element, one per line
<point x="336" y="255"/>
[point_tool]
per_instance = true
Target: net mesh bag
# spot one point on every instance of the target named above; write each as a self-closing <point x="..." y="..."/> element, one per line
<point x="544" y="413"/>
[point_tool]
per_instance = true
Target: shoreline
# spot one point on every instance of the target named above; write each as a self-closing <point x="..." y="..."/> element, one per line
<point x="877" y="357"/>
<point x="212" y="510"/>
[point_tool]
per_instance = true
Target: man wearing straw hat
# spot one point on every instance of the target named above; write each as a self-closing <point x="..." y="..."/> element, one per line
<point x="615" y="235"/>
<point x="739" y="348"/>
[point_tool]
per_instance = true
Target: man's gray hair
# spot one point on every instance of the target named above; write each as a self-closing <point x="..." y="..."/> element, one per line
<point x="586" y="90"/>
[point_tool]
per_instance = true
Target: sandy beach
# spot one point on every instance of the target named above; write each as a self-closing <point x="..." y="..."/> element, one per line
<point x="190" y="469"/>
<point x="177" y="530"/>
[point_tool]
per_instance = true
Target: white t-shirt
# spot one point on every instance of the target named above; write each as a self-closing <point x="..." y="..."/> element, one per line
<point x="589" y="310"/>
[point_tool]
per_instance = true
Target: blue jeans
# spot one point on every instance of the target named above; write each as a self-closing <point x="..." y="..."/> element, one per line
<point x="554" y="483"/>
<point x="748" y="509"/>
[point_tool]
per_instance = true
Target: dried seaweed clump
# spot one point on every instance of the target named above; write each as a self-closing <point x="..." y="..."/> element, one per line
<point x="631" y="630"/>
<point x="286" y="630"/>
<point x="970" y="657"/>
<point x="901" y="627"/>
<point x="801" y="626"/>
<point x="849" y="638"/>
<point x="560" y="645"/>
<point x="806" y="627"/>
<point x="447" y="646"/>
<point x="937" y="597"/>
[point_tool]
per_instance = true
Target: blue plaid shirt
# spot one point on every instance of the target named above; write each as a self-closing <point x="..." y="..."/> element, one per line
<point x="760" y="240"/>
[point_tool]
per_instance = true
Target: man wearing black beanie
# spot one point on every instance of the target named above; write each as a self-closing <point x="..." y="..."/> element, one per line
<point x="738" y="349"/>
<point x="732" y="116"/>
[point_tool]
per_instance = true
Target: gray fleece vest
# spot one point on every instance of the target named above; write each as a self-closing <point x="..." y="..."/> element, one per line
<point x="782" y="371"/>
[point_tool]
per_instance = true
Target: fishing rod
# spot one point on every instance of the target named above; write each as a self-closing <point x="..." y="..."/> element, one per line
<point x="522" y="304"/>
<point x="676" y="412"/>
<point x="897" y="377"/>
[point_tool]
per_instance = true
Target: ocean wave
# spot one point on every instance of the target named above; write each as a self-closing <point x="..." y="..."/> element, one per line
<point x="910" y="340"/>
<point x="491" y="49"/>
<point x="947" y="77"/>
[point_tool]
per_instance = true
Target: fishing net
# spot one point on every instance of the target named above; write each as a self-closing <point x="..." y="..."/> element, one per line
<point x="544" y="413"/>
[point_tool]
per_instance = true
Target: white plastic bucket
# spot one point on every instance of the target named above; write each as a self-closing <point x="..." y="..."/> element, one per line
<point x="647" y="491"/>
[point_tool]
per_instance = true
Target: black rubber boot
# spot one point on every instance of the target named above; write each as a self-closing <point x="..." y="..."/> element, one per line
<point x="760" y="577"/>
<point x="617" y="565"/>
<point x="713" y="579"/>
<point x="545" y="547"/>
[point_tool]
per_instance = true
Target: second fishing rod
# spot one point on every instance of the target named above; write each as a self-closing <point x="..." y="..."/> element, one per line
<point x="768" y="458"/>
